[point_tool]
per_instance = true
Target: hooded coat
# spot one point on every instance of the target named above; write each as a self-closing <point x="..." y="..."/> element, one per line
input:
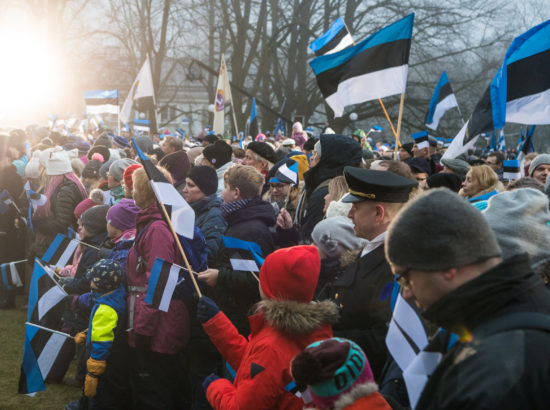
<point x="337" y="152"/>
<point x="279" y="331"/>
<point x="506" y="369"/>
<point x="237" y="291"/>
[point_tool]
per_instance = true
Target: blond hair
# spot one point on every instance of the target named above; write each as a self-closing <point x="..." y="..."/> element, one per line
<point x="484" y="176"/>
<point x="337" y="188"/>
<point x="142" y="185"/>
<point x="246" y="178"/>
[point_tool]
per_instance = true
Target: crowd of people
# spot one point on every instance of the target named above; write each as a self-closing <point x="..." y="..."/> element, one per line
<point x="343" y="225"/>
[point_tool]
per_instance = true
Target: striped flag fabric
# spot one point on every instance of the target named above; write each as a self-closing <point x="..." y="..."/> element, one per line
<point x="142" y="125"/>
<point x="180" y="213"/>
<point x="10" y="275"/>
<point x="375" y="68"/>
<point x="253" y="128"/>
<point x="44" y="295"/>
<point x="42" y="346"/>
<point x="101" y="101"/>
<point x="165" y="276"/>
<point x="520" y="91"/>
<point x="501" y="145"/>
<point x="336" y="38"/>
<point x="287" y="173"/>
<point x="60" y="251"/>
<point x="512" y="169"/>
<point x="245" y="255"/>
<point x="443" y="99"/>
<point x="421" y="139"/>
<point x="223" y="95"/>
<point x="141" y="94"/>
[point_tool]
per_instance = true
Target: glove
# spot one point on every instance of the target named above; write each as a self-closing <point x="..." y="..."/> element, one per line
<point x="80" y="338"/>
<point x="95" y="369"/>
<point x="206" y="309"/>
<point x="211" y="378"/>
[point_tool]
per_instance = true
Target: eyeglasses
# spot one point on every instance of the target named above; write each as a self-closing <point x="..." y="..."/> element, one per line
<point x="277" y="186"/>
<point x="402" y="278"/>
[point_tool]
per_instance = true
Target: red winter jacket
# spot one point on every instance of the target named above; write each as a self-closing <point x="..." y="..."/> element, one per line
<point x="169" y="331"/>
<point x="279" y="331"/>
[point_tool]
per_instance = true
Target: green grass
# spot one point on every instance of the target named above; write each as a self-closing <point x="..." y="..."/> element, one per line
<point x="12" y="333"/>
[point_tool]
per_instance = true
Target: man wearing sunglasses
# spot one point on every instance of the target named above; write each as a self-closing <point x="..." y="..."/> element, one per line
<point x="447" y="259"/>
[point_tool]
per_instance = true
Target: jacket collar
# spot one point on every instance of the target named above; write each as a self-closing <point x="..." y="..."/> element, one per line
<point x="363" y="266"/>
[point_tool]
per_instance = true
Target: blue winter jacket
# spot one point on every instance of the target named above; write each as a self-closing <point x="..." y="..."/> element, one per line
<point x="209" y="219"/>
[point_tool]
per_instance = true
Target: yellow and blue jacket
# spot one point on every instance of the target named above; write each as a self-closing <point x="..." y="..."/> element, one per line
<point x="108" y="313"/>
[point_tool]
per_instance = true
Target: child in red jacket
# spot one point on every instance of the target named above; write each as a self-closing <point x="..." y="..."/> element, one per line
<point x="284" y="323"/>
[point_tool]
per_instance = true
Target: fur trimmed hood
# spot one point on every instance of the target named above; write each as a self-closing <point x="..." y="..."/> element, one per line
<point x="361" y="390"/>
<point x="298" y="318"/>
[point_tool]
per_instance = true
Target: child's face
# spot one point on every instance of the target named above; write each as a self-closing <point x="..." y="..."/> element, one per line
<point x="93" y="286"/>
<point x="229" y="194"/>
<point x="82" y="232"/>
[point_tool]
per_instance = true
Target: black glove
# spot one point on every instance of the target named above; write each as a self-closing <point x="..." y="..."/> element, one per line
<point x="206" y="309"/>
<point x="211" y="378"/>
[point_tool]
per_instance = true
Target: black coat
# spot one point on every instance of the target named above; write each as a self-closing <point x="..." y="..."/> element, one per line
<point x="209" y="219"/>
<point x="364" y="310"/>
<point x="508" y="369"/>
<point x="237" y="291"/>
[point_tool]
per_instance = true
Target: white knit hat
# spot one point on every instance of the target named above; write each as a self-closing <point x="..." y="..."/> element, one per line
<point x="58" y="163"/>
<point x="32" y="170"/>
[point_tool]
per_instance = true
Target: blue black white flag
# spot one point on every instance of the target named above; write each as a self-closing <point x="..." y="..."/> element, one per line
<point x="287" y="173"/>
<point x="421" y="139"/>
<point x="501" y="144"/>
<point x="60" y="251"/>
<point x="45" y="295"/>
<point x="512" y="169"/>
<point x="244" y="255"/>
<point x="375" y="68"/>
<point x="142" y="94"/>
<point x="253" y="129"/>
<point x="165" y="276"/>
<point x="42" y="346"/>
<point x="10" y="274"/>
<point x="336" y="38"/>
<point x="180" y="213"/>
<point x="101" y="101"/>
<point x="443" y="99"/>
<point x="142" y="125"/>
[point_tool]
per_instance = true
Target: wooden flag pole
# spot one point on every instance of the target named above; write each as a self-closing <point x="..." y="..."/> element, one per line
<point x="397" y="142"/>
<point x="169" y="222"/>
<point x="255" y="276"/>
<point x="387" y="117"/>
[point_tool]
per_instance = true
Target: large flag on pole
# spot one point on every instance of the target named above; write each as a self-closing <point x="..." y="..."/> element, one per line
<point x="520" y="91"/>
<point x="101" y="101"/>
<point x="142" y="93"/>
<point x="376" y="67"/>
<point x="443" y="99"/>
<point x="10" y="275"/>
<point x="253" y="129"/>
<point x="336" y="38"/>
<point x="223" y="95"/>
<point x="180" y="213"/>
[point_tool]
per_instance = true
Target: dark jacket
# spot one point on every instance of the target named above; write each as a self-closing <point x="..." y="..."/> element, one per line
<point x="337" y="152"/>
<point x="209" y="219"/>
<point x="237" y="291"/>
<point x="508" y="369"/>
<point x="360" y="293"/>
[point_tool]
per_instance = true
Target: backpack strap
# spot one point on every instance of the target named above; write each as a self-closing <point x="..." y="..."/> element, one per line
<point x="513" y="321"/>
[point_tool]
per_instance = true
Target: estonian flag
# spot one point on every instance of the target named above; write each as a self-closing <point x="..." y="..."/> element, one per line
<point x="180" y="213"/>
<point x="142" y="125"/>
<point x="287" y="173"/>
<point x="61" y="251"/>
<point x="253" y="129"/>
<point x="501" y="145"/>
<point x="142" y="93"/>
<point x="520" y="91"/>
<point x="512" y="169"/>
<point x="44" y="295"/>
<point x="421" y="139"/>
<point x="375" y="68"/>
<point x="245" y="256"/>
<point x="443" y="99"/>
<point x="336" y="38"/>
<point x="101" y="102"/>
<point x="165" y="276"/>
<point x="10" y="275"/>
<point x="42" y="346"/>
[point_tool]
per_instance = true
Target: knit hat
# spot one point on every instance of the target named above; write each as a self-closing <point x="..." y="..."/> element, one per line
<point x="123" y="214"/>
<point x="104" y="169"/>
<point x="205" y="178"/>
<point x="106" y="275"/>
<point x="117" y="168"/>
<point x="121" y="142"/>
<point x="419" y="165"/>
<point x="263" y="149"/>
<point x="97" y="197"/>
<point x="457" y="165"/>
<point x="91" y="169"/>
<point x="541" y="159"/>
<point x="446" y="180"/>
<point x="127" y="175"/>
<point x="439" y="230"/>
<point x="32" y="169"/>
<point x="100" y="149"/>
<point x="408" y="146"/>
<point x="261" y="137"/>
<point x="94" y="219"/>
<point x="289" y="142"/>
<point x="334" y="235"/>
<point x="193" y="153"/>
<point x="177" y="164"/>
<point x="519" y="219"/>
<point x="330" y="368"/>
<point x="58" y="163"/>
<point x="104" y="140"/>
<point x="218" y="154"/>
<point x="291" y="273"/>
<point x="45" y="155"/>
<point x="144" y="143"/>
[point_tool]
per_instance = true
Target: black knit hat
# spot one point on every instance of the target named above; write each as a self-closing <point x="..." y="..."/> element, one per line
<point x="100" y="149"/>
<point x="445" y="180"/>
<point x="408" y="146"/>
<point x="218" y="154"/>
<point x="205" y="178"/>
<point x="264" y="150"/>
<point x="91" y="169"/>
<point x="177" y="163"/>
<point x="94" y="220"/>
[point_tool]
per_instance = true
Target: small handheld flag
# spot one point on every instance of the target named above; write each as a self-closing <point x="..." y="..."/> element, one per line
<point x="421" y="139"/>
<point x="287" y="173"/>
<point x="10" y="275"/>
<point x="164" y="278"/>
<point x="60" y="251"/>
<point x="245" y="255"/>
<point x="44" y="295"/>
<point x="511" y="169"/>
